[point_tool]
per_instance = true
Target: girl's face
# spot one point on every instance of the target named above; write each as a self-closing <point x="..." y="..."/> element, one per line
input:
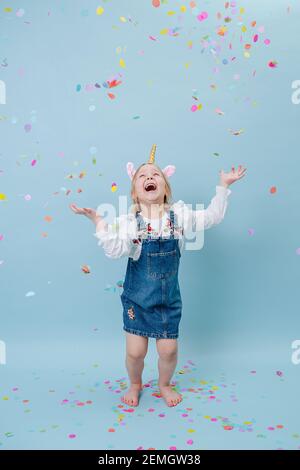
<point x="150" y="185"/>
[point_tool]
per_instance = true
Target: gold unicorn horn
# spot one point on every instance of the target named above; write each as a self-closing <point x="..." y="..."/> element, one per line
<point x="152" y="154"/>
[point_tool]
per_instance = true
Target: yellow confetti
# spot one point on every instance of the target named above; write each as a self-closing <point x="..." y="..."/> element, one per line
<point x="122" y="63"/>
<point x="164" y="31"/>
<point x="123" y="19"/>
<point x="171" y="13"/>
<point x="183" y="8"/>
<point x="244" y="29"/>
<point x="100" y="10"/>
<point x="2" y="197"/>
<point x="191" y="430"/>
<point x="5" y="398"/>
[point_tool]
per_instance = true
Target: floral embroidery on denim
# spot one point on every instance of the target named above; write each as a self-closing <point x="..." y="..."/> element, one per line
<point x="131" y="314"/>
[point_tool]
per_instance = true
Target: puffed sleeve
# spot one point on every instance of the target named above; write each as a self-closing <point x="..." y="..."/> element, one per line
<point x="203" y="219"/>
<point x="119" y="238"/>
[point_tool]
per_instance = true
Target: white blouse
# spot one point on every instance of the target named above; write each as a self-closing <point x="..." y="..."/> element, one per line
<point x="121" y="237"/>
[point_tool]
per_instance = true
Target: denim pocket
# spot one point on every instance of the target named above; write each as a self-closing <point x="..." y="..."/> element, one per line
<point x="162" y="264"/>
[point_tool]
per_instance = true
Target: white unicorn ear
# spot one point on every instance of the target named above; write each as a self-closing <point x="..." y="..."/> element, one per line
<point x="169" y="170"/>
<point x="130" y="169"/>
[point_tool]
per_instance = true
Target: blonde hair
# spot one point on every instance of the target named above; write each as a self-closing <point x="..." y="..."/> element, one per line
<point x="168" y="195"/>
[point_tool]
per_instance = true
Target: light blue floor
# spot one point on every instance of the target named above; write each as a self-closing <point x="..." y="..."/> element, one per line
<point x="66" y="396"/>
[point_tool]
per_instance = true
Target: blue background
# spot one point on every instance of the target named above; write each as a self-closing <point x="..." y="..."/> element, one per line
<point x="240" y="292"/>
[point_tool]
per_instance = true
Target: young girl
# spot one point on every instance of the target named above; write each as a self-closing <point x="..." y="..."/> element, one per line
<point x="152" y="238"/>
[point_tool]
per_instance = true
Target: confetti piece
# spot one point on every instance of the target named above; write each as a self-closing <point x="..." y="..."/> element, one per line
<point x="85" y="268"/>
<point x="251" y="231"/>
<point x="196" y="107"/>
<point x="279" y="373"/>
<point x="114" y="187"/>
<point x="99" y="11"/>
<point x="273" y="190"/>
<point x="273" y="64"/>
<point x="203" y="16"/>
<point x="27" y="127"/>
<point x="30" y="294"/>
<point x="219" y="111"/>
<point x="20" y="12"/>
<point x="2" y="197"/>
<point x="122" y="63"/>
<point x="48" y="218"/>
<point x="71" y="436"/>
<point x="236" y="132"/>
<point x="155" y="3"/>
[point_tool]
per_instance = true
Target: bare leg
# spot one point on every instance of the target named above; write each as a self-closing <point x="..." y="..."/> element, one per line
<point x="136" y="350"/>
<point x="168" y="351"/>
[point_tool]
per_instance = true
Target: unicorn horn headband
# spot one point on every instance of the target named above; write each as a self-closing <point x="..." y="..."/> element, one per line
<point x="168" y="171"/>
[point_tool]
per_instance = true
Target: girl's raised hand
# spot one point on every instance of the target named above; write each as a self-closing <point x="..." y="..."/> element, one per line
<point x="90" y="213"/>
<point x="234" y="175"/>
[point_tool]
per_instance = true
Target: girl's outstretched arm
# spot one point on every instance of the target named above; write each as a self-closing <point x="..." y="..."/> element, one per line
<point x="216" y="210"/>
<point x="116" y="239"/>
<point x="203" y="219"/>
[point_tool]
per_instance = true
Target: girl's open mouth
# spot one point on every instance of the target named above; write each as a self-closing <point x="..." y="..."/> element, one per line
<point x="150" y="187"/>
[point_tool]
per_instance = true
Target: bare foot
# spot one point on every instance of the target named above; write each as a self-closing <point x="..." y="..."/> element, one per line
<point x="132" y="396"/>
<point x="171" y="397"/>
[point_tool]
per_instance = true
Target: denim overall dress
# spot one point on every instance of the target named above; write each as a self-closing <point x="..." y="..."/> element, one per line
<point x="151" y="297"/>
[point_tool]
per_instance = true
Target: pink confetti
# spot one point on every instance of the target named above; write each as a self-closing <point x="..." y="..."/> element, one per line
<point x="203" y="15"/>
<point x="33" y="162"/>
<point x="72" y="436"/>
<point x="190" y="442"/>
<point x="272" y="64"/>
<point x="27" y="127"/>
